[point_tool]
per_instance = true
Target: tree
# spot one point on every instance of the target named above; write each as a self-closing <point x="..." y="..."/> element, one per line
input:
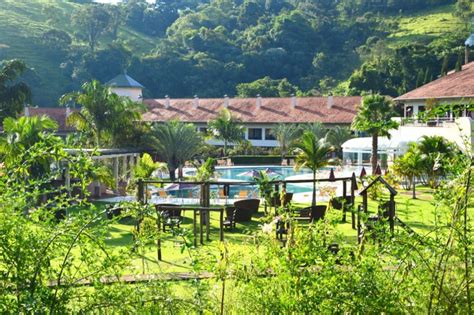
<point x="463" y="11"/>
<point x="410" y="165"/>
<point x="266" y="87"/>
<point x="92" y="21"/>
<point x="13" y="94"/>
<point x="226" y="128"/>
<point x="285" y="134"/>
<point x="22" y="133"/>
<point x="317" y="128"/>
<point x="104" y="116"/>
<point x="374" y="116"/>
<point x="313" y="154"/>
<point x="177" y="143"/>
<point x="337" y="136"/>
<point x="56" y="40"/>
<point x="437" y="153"/>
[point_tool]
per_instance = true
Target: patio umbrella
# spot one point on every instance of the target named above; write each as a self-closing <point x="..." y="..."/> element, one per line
<point x="378" y="170"/>
<point x="363" y="172"/>
<point x="269" y="171"/>
<point x="251" y="173"/>
<point x="332" y="177"/>
<point x="179" y="186"/>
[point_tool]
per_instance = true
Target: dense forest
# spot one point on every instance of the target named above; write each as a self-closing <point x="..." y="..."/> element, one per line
<point x="210" y="48"/>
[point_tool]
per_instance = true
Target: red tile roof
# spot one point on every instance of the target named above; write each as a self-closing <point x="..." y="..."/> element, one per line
<point x="454" y="85"/>
<point x="272" y="110"/>
<point x="57" y="114"/>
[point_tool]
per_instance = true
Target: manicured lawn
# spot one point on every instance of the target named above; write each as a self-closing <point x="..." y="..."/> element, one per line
<point x="419" y="214"/>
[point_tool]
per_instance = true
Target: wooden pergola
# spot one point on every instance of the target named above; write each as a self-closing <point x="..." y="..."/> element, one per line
<point x="123" y="163"/>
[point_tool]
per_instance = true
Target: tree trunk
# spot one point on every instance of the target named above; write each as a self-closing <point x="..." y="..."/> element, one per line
<point x="225" y="147"/>
<point x="172" y="173"/>
<point x="413" y="186"/>
<point x="313" y="203"/>
<point x="375" y="148"/>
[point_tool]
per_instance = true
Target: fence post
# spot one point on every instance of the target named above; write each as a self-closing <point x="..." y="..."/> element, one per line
<point x="344" y="194"/>
<point x="353" y="189"/>
<point x="392" y="213"/>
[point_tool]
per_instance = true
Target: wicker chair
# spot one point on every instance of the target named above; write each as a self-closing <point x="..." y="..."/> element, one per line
<point x="312" y="214"/>
<point x="244" y="209"/>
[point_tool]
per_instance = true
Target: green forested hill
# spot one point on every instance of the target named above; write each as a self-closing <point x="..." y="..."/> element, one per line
<point x="234" y="47"/>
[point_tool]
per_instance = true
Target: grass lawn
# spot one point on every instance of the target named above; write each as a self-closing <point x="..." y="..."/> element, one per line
<point x="419" y="214"/>
<point x="426" y="26"/>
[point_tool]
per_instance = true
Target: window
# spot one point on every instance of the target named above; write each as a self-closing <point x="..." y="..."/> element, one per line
<point x="203" y="129"/>
<point x="269" y="135"/>
<point x="255" y="134"/>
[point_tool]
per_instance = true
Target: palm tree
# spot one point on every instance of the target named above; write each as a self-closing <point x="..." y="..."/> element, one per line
<point x="285" y="134"/>
<point x="313" y="154"/>
<point x="437" y="151"/>
<point x="13" y="94"/>
<point x="317" y="128"/>
<point x="226" y="128"/>
<point x="22" y="133"/>
<point x="412" y="164"/>
<point x="374" y="116"/>
<point x="177" y="143"/>
<point x="337" y="136"/>
<point x="104" y="115"/>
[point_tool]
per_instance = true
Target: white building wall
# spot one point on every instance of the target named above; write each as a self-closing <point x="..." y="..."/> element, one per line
<point x="256" y="143"/>
<point x="135" y="94"/>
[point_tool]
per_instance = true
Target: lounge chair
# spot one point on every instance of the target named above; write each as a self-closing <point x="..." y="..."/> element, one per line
<point x="344" y="204"/>
<point x="244" y="209"/>
<point x="171" y="216"/>
<point x="113" y="211"/>
<point x="243" y="194"/>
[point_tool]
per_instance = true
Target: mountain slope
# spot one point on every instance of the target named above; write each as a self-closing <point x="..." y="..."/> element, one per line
<point x="21" y="25"/>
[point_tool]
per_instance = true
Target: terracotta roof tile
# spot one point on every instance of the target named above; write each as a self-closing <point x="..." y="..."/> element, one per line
<point x="454" y="85"/>
<point x="56" y="113"/>
<point x="272" y="110"/>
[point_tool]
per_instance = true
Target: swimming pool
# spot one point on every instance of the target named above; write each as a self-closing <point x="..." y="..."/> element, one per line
<point x="238" y="174"/>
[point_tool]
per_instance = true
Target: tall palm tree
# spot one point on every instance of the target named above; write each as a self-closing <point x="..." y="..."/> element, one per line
<point x="22" y="133"/>
<point x="177" y="143"/>
<point x="13" y="94"/>
<point x="313" y="154"/>
<point x="103" y="115"/>
<point x="374" y="116"/>
<point x="337" y="136"/>
<point x="226" y="128"/>
<point x="285" y="134"/>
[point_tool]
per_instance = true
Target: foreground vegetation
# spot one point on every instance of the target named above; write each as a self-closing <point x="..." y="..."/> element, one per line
<point x="46" y="260"/>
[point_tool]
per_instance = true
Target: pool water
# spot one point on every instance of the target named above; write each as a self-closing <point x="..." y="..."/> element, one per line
<point x="238" y="174"/>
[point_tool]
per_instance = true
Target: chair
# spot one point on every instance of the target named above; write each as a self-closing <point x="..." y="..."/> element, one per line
<point x="113" y="211"/>
<point x="229" y="221"/>
<point x="171" y="217"/>
<point x="162" y="194"/>
<point x="245" y="208"/>
<point x="243" y="194"/>
<point x="312" y="214"/>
